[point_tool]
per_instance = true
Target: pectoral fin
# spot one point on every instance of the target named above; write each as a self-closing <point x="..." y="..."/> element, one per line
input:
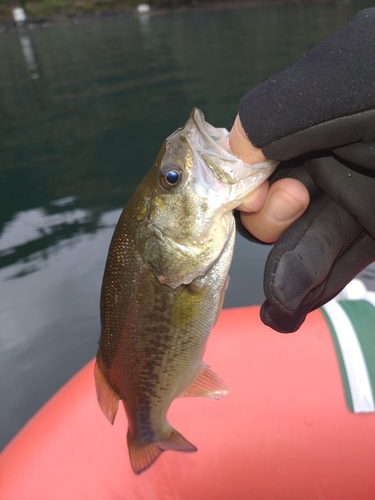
<point x="222" y="297"/>
<point x="206" y="384"/>
<point x="107" y="397"/>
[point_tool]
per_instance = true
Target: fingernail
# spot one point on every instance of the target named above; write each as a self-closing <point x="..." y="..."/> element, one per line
<point x="281" y="207"/>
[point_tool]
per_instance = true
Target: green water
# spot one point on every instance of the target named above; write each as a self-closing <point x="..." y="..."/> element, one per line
<point x="83" y="112"/>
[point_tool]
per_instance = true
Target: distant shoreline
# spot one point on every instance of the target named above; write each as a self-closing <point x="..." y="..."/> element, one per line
<point x="71" y="16"/>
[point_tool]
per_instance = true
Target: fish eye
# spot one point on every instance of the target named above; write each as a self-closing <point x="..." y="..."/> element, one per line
<point x="170" y="176"/>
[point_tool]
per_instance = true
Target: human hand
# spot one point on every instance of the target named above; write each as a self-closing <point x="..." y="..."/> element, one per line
<point x="317" y="118"/>
<point x="269" y="210"/>
<point x="316" y="256"/>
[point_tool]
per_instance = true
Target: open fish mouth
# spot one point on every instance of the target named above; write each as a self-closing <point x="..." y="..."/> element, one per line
<point x="208" y="141"/>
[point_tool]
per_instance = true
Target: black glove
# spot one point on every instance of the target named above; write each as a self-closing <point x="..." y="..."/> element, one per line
<point x="326" y="248"/>
<point x="325" y="103"/>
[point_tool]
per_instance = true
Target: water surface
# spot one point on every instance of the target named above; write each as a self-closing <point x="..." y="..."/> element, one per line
<point x="84" y="110"/>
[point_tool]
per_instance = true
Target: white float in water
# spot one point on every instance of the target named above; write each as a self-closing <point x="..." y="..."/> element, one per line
<point x="143" y="8"/>
<point x="19" y="15"/>
<point x="20" y="18"/>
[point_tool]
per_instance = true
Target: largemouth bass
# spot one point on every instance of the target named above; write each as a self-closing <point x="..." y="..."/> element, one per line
<point x="164" y="284"/>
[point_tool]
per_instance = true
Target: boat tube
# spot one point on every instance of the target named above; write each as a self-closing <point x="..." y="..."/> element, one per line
<point x="291" y="427"/>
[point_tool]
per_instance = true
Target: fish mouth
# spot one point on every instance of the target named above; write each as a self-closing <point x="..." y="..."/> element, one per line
<point x="226" y="166"/>
<point x="218" y="160"/>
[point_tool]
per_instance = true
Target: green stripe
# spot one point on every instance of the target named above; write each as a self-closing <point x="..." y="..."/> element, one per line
<point x="362" y="316"/>
<point x="340" y="359"/>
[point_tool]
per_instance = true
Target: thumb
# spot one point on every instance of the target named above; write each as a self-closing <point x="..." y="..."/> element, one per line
<point x="240" y="144"/>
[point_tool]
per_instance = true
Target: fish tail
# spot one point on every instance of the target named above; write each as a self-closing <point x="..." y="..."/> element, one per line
<point x="143" y="455"/>
<point x="107" y="397"/>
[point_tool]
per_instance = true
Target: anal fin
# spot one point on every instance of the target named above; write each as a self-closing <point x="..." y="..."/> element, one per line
<point x="206" y="384"/>
<point x="107" y="397"/>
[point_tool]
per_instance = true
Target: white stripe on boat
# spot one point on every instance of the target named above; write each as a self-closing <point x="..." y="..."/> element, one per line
<point x="355" y="364"/>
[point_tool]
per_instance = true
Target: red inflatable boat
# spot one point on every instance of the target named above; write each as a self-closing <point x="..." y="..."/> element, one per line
<point x="284" y="432"/>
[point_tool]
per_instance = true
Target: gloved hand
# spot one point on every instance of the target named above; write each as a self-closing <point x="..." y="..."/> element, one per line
<point x="319" y="117"/>
<point x="326" y="247"/>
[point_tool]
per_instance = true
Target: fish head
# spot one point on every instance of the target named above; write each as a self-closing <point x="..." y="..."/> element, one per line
<point x="191" y="191"/>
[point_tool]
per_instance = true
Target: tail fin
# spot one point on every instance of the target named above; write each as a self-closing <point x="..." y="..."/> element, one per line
<point x="143" y="455"/>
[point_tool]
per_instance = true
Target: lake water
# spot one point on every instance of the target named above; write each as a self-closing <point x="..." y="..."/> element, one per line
<point x="84" y="109"/>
